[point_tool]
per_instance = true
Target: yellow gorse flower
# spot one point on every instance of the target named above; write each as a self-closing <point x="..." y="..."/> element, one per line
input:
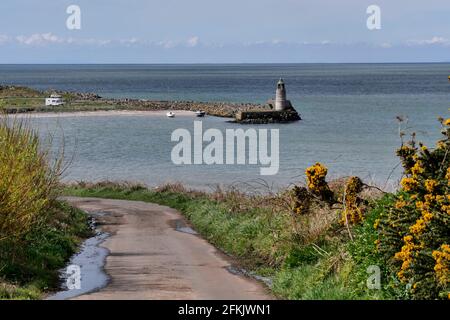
<point x="446" y="208"/>
<point x="442" y="266"/>
<point x="409" y="184"/>
<point x="376" y="224"/>
<point x="315" y="179"/>
<point x="406" y="255"/>
<point x="430" y="185"/>
<point x="418" y="220"/>
<point x="417" y="169"/>
<point x="315" y="176"/>
<point x="400" y="204"/>
<point x="352" y="213"/>
<point x="447" y="176"/>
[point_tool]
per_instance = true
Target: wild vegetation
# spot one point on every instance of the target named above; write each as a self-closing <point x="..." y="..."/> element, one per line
<point x="37" y="232"/>
<point x="325" y="239"/>
<point x="414" y="231"/>
<point x="304" y="254"/>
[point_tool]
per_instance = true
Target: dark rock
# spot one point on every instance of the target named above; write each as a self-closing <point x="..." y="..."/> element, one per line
<point x="271" y="116"/>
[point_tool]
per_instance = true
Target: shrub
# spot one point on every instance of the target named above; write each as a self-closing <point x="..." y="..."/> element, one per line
<point x="352" y="212"/>
<point x="27" y="182"/>
<point x="301" y="200"/>
<point x="35" y="261"/>
<point x="315" y="178"/>
<point x="414" y="233"/>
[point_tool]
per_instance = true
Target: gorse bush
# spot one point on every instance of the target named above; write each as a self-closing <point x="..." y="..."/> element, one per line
<point x="27" y="183"/>
<point x="315" y="178"/>
<point x="414" y="231"/>
<point x="301" y="200"/>
<point x="352" y="212"/>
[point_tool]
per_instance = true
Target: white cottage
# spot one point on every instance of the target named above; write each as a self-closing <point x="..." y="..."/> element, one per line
<point x="54" y="100"/>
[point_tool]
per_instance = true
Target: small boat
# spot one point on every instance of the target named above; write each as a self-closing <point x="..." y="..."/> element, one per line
<point x="170" y="114"/>
<point x="200" y="113"/>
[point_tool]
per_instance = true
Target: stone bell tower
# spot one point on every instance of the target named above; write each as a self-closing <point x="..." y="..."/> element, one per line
<point x="280" y="97"/>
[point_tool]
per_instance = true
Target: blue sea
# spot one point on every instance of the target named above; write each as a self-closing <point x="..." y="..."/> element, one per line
<point x="349" y="117"/>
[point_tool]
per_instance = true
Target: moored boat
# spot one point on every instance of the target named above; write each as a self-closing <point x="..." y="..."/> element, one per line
<point x="200" y="113"/>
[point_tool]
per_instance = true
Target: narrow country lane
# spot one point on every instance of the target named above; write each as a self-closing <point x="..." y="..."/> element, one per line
<point x="150" y="259"/>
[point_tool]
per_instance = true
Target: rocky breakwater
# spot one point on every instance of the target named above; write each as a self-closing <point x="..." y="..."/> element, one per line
<point x="218" y="109"/>
<point x="267" y="116"/>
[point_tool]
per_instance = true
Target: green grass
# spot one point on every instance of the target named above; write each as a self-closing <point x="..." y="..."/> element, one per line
<point x="263" y="243"/>
<point x="20" y="104"/>
<point x="19" y="91"/>
<point x="16" y="99"/>
<point x="307" y="282"/>
<point x="38" y="233"/>
<point x="244" y="235"/>
<point x="30" y="268"/>
<point x="13" y="292"/>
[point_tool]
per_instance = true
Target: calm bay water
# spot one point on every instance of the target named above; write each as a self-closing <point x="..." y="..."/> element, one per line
<point x="348" y="116"/>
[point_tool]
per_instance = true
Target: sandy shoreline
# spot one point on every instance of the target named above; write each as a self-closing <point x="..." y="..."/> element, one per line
<point x="102" y="113"/>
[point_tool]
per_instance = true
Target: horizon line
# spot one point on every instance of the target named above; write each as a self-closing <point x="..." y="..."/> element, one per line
<point x="219" y="63"/>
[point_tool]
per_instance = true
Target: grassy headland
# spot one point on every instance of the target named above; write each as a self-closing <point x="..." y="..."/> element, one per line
<point x="38" y="233"/>
<point x="17" y="99"/>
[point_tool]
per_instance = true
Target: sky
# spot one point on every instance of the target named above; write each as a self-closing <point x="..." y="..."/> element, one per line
<point x="226" y="31"/>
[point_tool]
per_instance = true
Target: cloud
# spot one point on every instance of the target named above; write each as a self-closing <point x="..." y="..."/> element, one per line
<point x="433" y="41"/>
<point x="4" y="38"/>
<point x="167" y="44"/>
<point x="39" y="39"/>
<point x="193" y="42"/>
<point x="129" y="42"/>
<point x="42" y="39"/>
<point x="279" y="43"/>
<point x="88" y="41"/>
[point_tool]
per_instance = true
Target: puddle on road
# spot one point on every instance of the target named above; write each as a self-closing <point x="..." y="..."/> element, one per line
<point x="181" y="226"/>
<point x="91" y="260"/>
<point x="242" y="272"/>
